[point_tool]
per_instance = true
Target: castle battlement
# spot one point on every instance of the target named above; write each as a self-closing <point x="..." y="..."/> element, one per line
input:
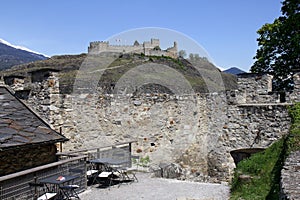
<point x="151" y="48"/>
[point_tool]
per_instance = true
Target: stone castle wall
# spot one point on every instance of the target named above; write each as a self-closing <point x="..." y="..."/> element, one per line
<point x="196" y="131"/>
<point x="147" y="48"/>
<point x="290" y="177"/>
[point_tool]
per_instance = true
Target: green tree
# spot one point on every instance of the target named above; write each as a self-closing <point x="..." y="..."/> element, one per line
<point x="156" y="48"/>
<point x="182" y="53"/>
<point x="279" y="46"/>
<point x="191" y="57"/>
<point x="194" y="57"/>
<point x="197" y="57"/>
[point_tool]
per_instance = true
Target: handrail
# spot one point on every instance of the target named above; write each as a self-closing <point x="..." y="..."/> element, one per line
<point x="94" y="148"/>
<point x="39" y="168"/>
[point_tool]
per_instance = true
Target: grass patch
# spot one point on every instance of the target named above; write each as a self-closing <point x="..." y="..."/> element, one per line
<point x="293" y="141"/>
<point x="264" y="168"/>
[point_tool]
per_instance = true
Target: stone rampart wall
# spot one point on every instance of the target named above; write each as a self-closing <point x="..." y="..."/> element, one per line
<point x="197" y="131"/>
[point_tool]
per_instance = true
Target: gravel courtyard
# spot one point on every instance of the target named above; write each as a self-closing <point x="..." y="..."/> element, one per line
<point x="158" y="189"/>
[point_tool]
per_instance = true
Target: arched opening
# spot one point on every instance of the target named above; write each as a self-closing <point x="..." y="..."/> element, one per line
<point x="241" y="154"/>
<point x="153" y="88"/>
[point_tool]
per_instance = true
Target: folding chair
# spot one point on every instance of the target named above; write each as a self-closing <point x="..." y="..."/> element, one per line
<point x="105" y="178"/>
<point x="70" y="190"/>
<point x="91" y="173"/>
<point x="128" y="175"/>
<point x="45" y="196"/>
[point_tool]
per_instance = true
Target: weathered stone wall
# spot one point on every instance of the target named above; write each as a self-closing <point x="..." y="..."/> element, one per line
<point x="17" y="159"/>
<point x="233" y="126"/>
<point x="43" y="95"/>
<point x="253" y="88"/>
<point x="257" y="89"/>
<point x="255" y="126"/>
<point x="295" y="96"/>
<point x="197" y="131"/>
<point x="290" y="177"/>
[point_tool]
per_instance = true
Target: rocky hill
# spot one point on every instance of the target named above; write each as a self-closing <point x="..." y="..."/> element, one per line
<point x="68" y="66"/>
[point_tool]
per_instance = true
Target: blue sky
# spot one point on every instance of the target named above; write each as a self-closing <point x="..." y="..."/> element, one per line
<point x="225" y="29"/>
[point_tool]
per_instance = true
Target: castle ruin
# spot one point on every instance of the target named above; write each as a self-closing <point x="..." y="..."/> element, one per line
<point x="149" y="48"/>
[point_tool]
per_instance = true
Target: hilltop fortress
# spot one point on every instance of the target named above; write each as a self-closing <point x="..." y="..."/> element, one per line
<point x="149" y="48"/>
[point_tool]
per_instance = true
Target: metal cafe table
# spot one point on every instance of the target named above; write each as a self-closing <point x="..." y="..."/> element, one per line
<point x="56" y="183"/>
<point x="107" y="167"/>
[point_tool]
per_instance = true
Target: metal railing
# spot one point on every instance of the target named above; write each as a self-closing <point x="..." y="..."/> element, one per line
<point x="17" y="185"/>
<point x="119" y="151"/>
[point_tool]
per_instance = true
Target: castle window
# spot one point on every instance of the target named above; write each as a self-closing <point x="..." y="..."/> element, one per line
<point x="157" y="48"/>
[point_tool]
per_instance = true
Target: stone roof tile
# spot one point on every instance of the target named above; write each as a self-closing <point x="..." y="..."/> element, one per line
<point x="21" y="126"/>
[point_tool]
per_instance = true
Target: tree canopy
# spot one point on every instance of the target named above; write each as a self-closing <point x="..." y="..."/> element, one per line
<point x="182" y="53"/>
<point x="279" y="46"/>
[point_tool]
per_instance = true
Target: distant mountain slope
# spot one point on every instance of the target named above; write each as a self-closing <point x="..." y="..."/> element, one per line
<point x="234" y="70"/>
<point x="10" y="55"/>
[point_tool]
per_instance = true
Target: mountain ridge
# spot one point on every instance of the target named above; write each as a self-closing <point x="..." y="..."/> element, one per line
<point x="11" y="55"/>
<point x="234" y="70"/>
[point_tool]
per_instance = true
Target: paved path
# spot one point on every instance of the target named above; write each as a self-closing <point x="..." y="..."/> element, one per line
<point x="158" y="189"/>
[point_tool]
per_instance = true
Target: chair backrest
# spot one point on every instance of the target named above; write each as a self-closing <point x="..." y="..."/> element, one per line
<point x="81" y="176"/>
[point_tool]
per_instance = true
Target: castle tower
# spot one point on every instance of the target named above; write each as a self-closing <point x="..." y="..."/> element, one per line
<point x="175" y="45"/>
<point x="155" y="42"/>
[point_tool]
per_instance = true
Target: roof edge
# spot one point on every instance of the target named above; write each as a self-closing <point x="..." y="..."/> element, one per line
<point x="33" y="144"/>
<point x="12" y="92"/>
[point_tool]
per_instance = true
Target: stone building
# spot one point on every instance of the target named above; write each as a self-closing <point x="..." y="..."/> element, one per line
<point x="26" y="141"/>
<point x="149" y="48"/>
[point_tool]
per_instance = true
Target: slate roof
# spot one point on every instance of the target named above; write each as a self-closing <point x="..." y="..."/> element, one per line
<point x="21" y="126"/>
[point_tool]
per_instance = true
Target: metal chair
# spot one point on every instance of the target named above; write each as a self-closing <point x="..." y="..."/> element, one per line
<point x="91" y="174"/>
<point x="46" y="194"/>
<point x="70" y="190"/>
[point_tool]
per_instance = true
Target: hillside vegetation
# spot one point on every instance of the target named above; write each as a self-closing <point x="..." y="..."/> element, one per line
<point x="68" y="66"/>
